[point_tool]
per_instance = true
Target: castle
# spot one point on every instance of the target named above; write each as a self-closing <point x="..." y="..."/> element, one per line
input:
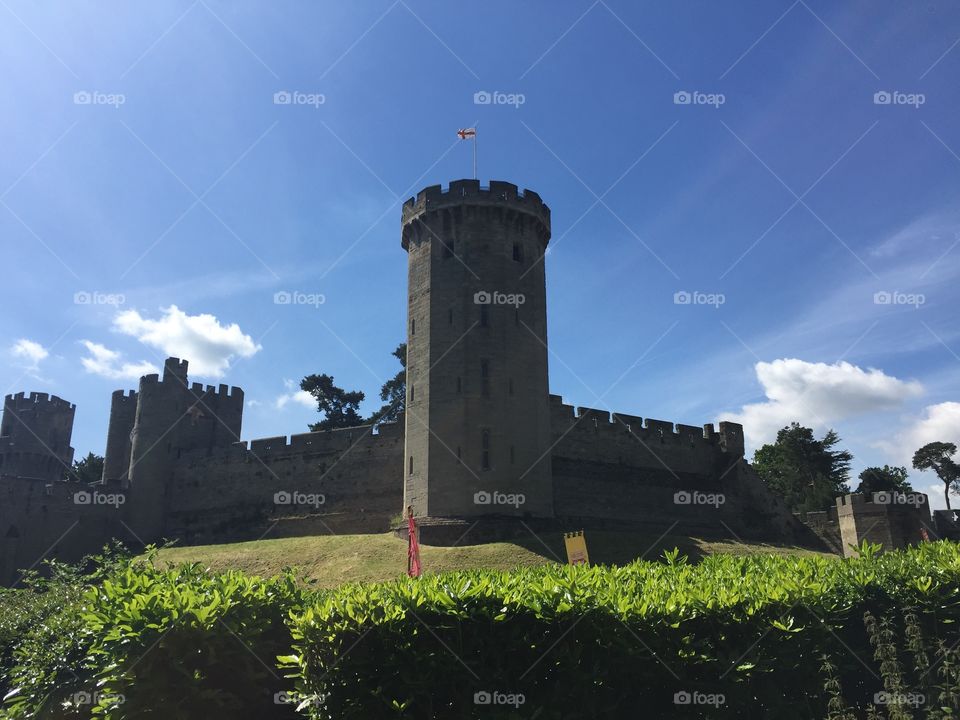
<point x="482" y="450"/>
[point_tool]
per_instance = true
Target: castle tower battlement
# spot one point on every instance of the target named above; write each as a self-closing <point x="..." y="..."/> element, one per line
<point x="151" y="428"/>
<point x="478" y="416"/>
<point x="35" y="434"/>
<point x="523" y="207"/>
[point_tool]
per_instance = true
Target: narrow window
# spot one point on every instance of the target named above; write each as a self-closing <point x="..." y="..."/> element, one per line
<point x="511" y="455"/>
<point x="413" y="326"/>
<point x="411" y="464"/>
<point x="485" y="445"/>
<point x="413" y="392"/>
<point x="484" y="315"/>
<point x="517" y="252"/>
<point x="449" y="248"/>
<point x="458" y="452"/>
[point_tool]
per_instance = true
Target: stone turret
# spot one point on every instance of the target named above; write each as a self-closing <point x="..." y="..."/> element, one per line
<point x="478" y="416"/>
<point x="35" y="436"/>
<point x="172" y="417"/>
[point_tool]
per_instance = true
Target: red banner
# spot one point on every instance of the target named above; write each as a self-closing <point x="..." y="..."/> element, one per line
<point x="413" y="548"/>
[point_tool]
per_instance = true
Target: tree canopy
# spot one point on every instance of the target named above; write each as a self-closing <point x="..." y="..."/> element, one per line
<point x="393" y="392"/>
<point x="87" y="470"/>
<point x="938" y="456"/>
<point x="884" y="479"/>
<point x="339" y="407"/>
<point x="808" y="473"/>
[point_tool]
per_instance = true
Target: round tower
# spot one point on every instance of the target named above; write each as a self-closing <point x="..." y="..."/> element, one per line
<point x="477" y="405"/>
<point x="35" y="435"/>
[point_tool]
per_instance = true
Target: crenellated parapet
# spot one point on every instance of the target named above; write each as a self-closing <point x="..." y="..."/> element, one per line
<point x="611" y="435"/>
<point x="322" y="442"/>
<point x="35" y="434"/>
<point x="515" y="206"/>
<point x="38" y="401"/>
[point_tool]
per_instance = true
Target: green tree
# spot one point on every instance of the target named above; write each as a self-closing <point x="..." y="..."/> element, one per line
<point x="884" y="479"/>
<point x="938" y="456"/>
<point x="393" y="392"/>
<point x="339" y="407"/>
<point x="808" y="473"/>
<point x="87" y="470"/>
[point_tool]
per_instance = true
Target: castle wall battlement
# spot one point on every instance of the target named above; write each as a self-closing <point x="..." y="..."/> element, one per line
<point x="434" y="197"/>
<point x="566" y="419"/>
<point x="37" y="400"/>
<point x="319" y="442"/>
<point x="470" y="194"/>
<point x="224" y="391"/>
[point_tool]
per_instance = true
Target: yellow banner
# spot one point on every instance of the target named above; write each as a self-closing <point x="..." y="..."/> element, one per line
<point x="576" y="548"/>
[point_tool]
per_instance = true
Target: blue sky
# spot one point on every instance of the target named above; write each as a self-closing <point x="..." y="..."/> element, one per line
<point x="149" y="170"/>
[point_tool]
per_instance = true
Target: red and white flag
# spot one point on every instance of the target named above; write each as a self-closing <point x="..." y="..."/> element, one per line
<point x="466" y="133"/>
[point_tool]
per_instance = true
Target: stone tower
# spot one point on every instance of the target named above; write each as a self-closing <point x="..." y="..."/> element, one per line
<point x="477" y="406"/>
<point x="35" y="436"/>
<point x="171" y="417"/>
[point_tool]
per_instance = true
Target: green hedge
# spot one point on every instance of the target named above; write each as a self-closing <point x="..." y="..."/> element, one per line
<point x="745" y="637"/>
<point x="751" y="637"/>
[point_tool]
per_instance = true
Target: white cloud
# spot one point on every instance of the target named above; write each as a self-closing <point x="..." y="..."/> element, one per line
<point x="202" y="339"/>
<point x="108" y="363"/>
<point x="30" y="353"/>
<point x="939" y="423"/>
<point x="295" y="395"/>
<point x="817" y="395"/>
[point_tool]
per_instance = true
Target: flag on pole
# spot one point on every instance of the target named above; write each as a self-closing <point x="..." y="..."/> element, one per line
<point x="470" y="134"/>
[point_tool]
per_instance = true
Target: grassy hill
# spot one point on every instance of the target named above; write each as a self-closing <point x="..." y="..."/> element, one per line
<point x="332" y="560"/>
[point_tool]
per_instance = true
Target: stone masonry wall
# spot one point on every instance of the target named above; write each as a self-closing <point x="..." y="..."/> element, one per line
<point x="337" y="481"/>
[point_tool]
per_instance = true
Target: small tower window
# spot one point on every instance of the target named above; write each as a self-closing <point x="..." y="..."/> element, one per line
<point x="512" y="455"/>
<point x="484" y="315"/>
<point x="411" y="465"/>
<point x="517" y="252"/>
<point x="413" y="392"/>
<point x="413" y="326"/>
<point x="449" y="248"/>
<point x="485" y="446"/>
